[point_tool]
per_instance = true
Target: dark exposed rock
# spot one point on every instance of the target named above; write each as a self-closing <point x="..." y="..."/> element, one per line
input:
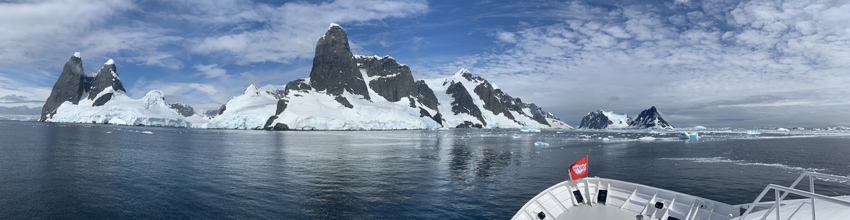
<point x="211" y="113"/>
<point x="70" y="86"/>
<point x="650" y="118"/>
<point x="278" y="94"/>
<point x="182" y="109"/>
<point x="437" y="117"/>
<point x="280" y="127"/>
<point x="106" y="77"/>
<point x="281" y="106"/>
<point x="491" y="98"/>
<point x="463" y="102"/>
<point x="539" y="115"/>
<point x="343" y="101"/>
<point x="221" y="110"/>
<point x="498" y="102"/>
<point x="394" y="81"/>
<point x="469" y="124"/>
<point x="277" y="126"/>
<point x="425" y="95"/>
<point x="267" y="125"/>
<point x="102" y="99"/>
<point x="472" y="78"/>
<point x="334" y="68"/>
<point x="299" y="85"/>
<point x="598" y="120"/>
<point x="595" y="120"/>
<point x="516" y="105"/>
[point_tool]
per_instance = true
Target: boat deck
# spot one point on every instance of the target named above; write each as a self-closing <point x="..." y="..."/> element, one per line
<point x="599" y="198"/>
<point x="597" y="212"/>
<point x="801" y="209"/>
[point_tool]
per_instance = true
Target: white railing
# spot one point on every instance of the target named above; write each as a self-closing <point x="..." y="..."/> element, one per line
<point x="786" y="190"/>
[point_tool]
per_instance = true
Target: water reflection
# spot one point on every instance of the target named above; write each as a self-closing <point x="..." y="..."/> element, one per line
<point x="478" y="158"/>
<point x="79" y="171"/>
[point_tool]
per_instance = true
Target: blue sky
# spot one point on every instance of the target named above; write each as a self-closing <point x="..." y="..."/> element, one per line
<point x="715" y="63"/>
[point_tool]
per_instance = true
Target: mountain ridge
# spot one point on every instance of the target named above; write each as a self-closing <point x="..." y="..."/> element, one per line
<point x="342" y="92"/>
<point x="649" y="118"/>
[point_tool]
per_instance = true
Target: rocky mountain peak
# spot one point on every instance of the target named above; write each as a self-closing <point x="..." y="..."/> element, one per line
<point x="334" y="67"/>
<point x="650" y="118"/>
<point x="183" y="109"/>
<point x="70" y="86"/>
<point x="105" y="78"/>
<point x="600" y="119"/>
<point x="463" y="73"/>
<point x="388" y="78"/>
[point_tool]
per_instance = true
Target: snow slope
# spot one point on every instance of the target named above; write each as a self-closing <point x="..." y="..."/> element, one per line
<point x="618" y="120"/>
<point x="441" y="85"/>
<point x="313" y="110"/>
<point x="150" y="110"/>
<point x="247" y="111"/>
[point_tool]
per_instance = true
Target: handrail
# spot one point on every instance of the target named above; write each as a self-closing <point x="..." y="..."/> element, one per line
<point x="786" y="190"/>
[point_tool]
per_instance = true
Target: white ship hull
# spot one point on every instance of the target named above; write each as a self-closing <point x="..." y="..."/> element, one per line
<point x="601" y="198"/>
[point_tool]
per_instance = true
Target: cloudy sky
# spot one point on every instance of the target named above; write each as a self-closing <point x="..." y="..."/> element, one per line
<point x="715" y="63"/>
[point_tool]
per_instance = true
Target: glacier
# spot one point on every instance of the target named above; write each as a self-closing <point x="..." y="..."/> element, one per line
<point x="123" y="110"/>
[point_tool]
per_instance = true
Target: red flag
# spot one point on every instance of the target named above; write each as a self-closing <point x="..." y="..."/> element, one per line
<point x="578" y="169"/>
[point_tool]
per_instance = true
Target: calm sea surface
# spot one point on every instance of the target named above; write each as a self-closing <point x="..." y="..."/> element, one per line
<point x="66" y="171"/>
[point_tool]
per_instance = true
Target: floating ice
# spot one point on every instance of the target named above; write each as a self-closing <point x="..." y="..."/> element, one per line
<point x="529" y="130"/>
<point x="647" y="139"/>
<point x="541" y="144"/>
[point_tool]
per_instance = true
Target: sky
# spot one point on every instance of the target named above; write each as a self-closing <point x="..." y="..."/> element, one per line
<point x="714" y="63"/>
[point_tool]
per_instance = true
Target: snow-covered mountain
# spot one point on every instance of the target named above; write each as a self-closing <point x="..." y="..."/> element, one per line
<point x="600" y="119"/>
<point x="343" y="92"/>
<point x="183" y="109"/>
<point x="79" y="98"/>
<point x="647" y="119"/>
<point x="247" y="111"/>
<point x="466" y="100"/>
<point x="348" y="92"/>
<point x="650" y="119"/>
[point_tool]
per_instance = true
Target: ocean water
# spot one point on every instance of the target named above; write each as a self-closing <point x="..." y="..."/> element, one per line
<point x="70" y="171"/>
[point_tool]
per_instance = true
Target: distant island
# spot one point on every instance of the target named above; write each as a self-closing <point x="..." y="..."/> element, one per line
<point x="647" y="119"/>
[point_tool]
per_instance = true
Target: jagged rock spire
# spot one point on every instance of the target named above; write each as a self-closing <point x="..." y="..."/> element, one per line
<point x="70" y="86"/>
<point x="334" y="68"/>
<point x="105" y="78"/>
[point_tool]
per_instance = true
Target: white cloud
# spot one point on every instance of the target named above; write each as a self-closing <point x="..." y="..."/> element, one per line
<point x="634" y="53"/>
<point x="34" y="32"/>
<point x="211" y="71"/>
<point x="212" y="12"/>
<point x="416" y="43"/>
<point x="292" y="28"/>
<point x="15" y="93"/>
<point x="507" y="37"/>
<point x="195" y="94"/>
